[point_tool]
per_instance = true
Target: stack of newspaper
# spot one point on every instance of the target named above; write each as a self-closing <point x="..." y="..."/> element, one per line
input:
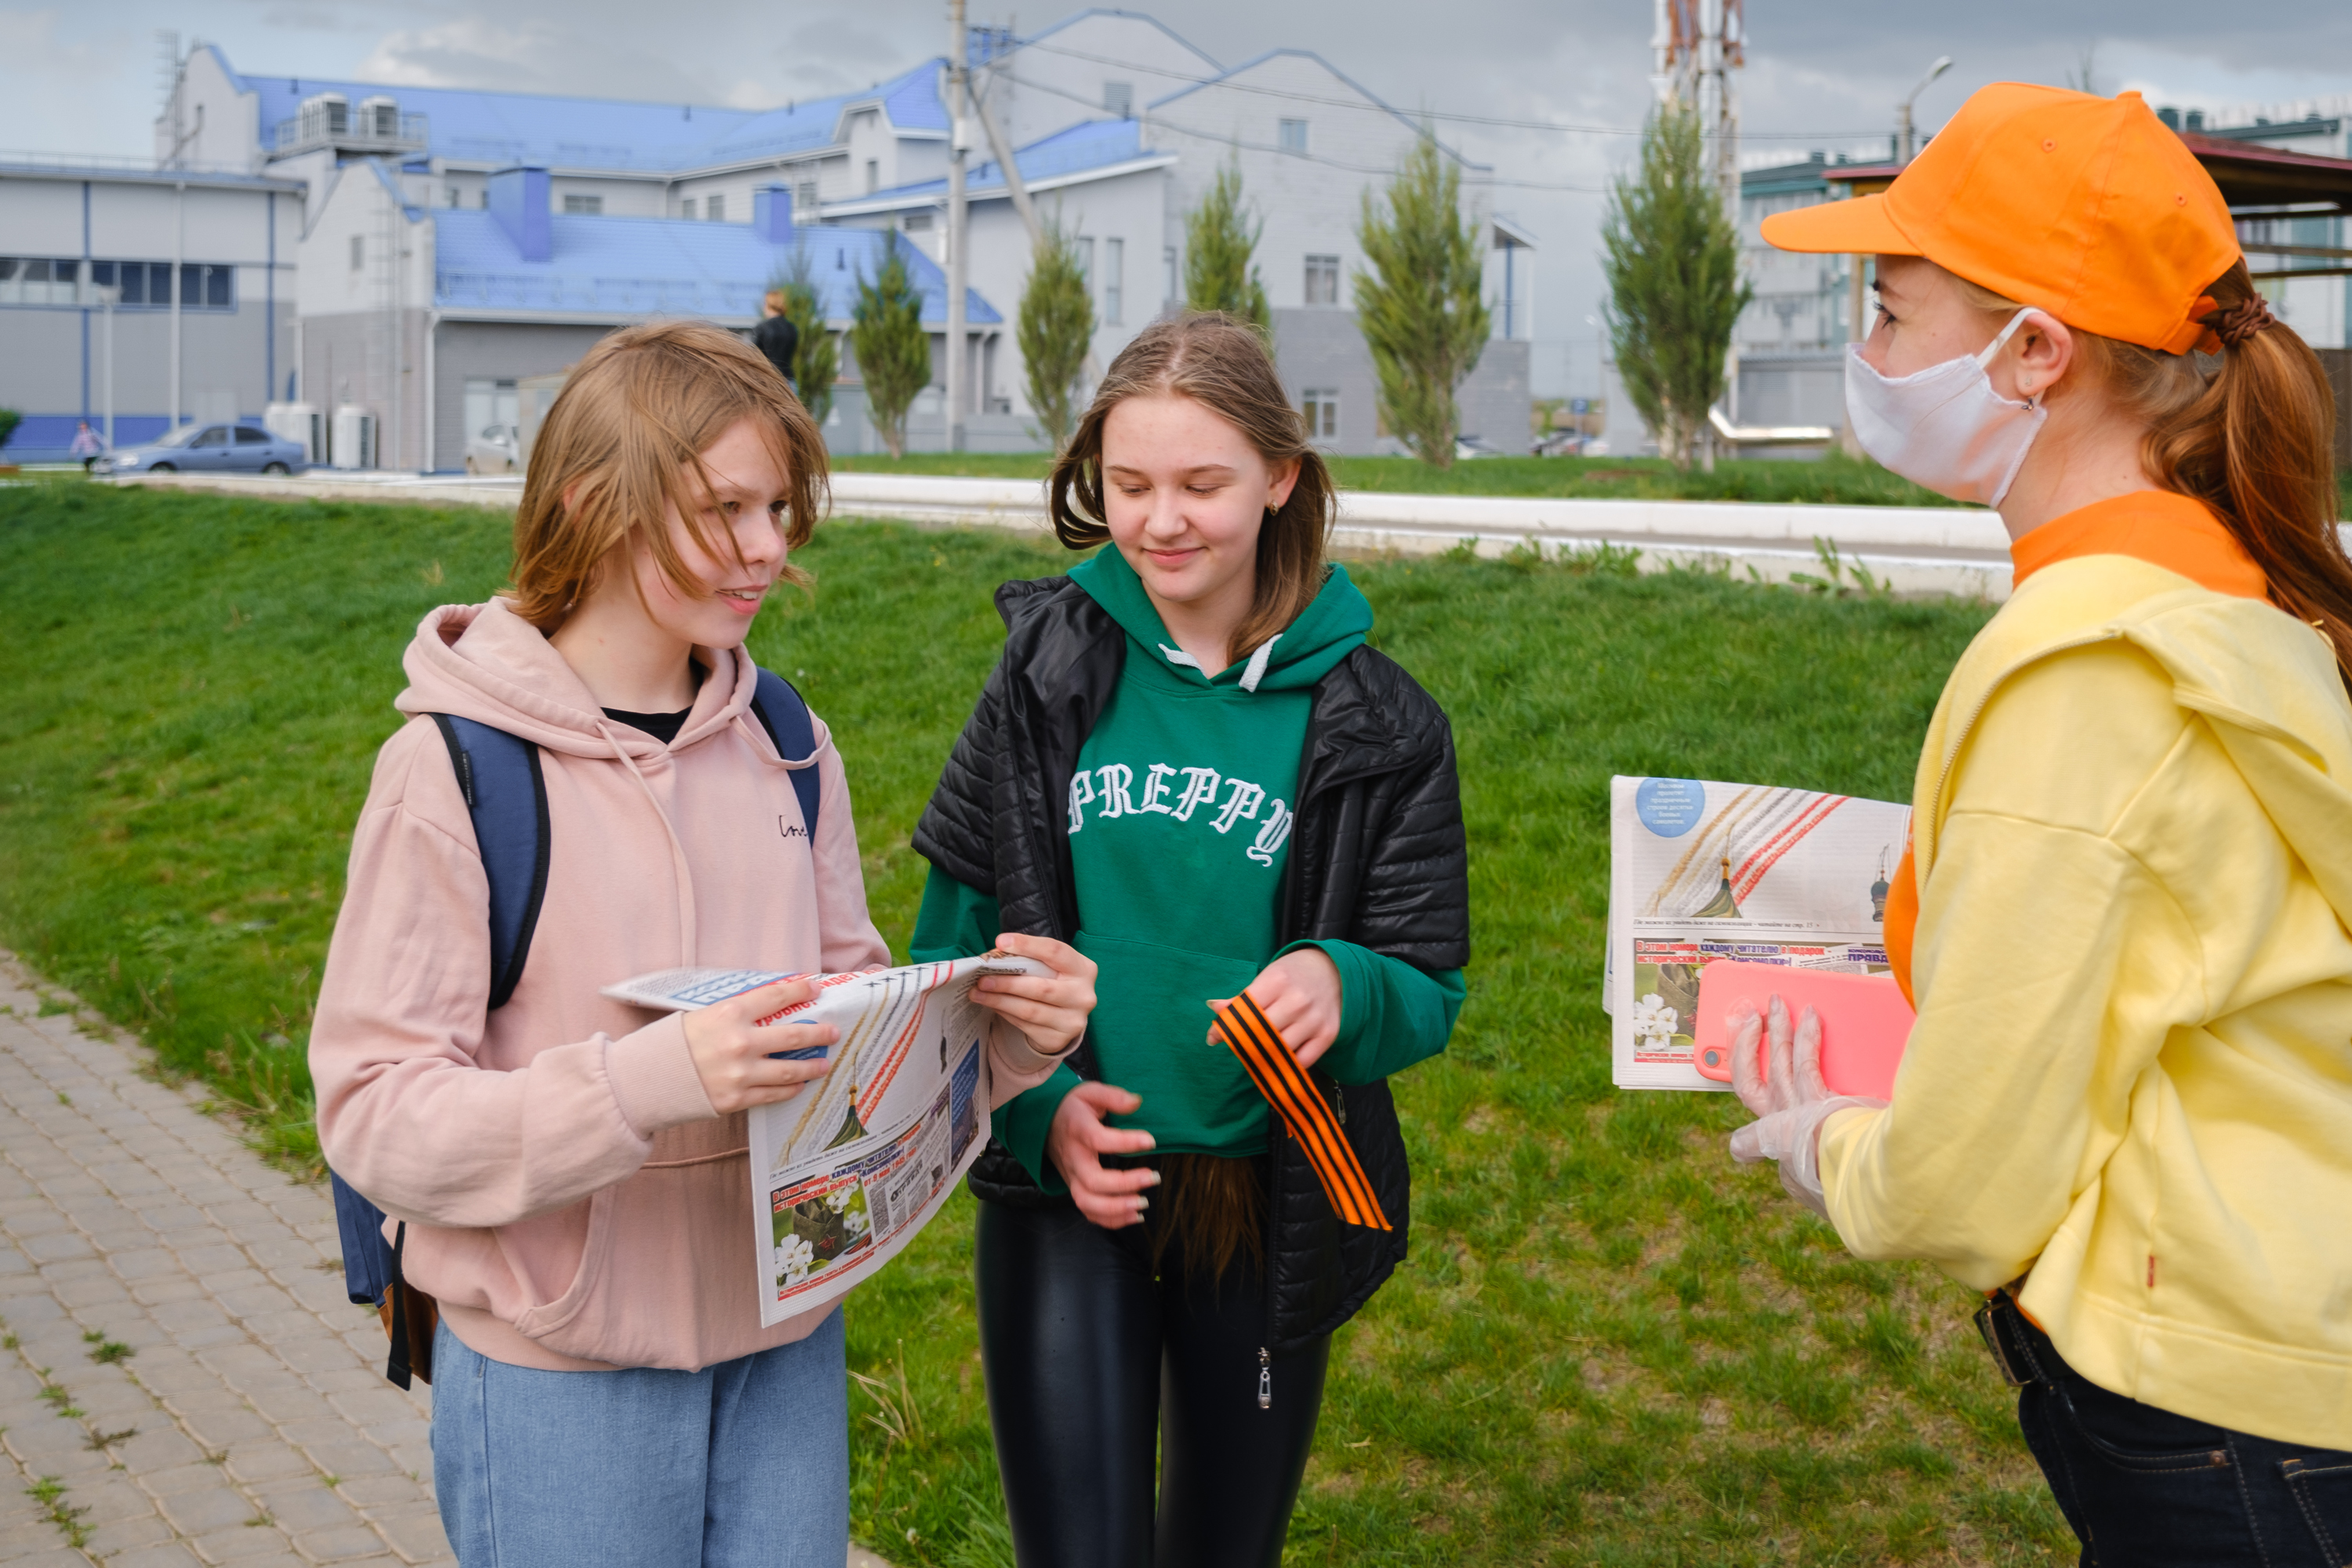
<point x="1700" y="871"/>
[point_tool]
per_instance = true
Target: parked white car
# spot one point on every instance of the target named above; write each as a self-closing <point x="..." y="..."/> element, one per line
<point x="491" y="450"/>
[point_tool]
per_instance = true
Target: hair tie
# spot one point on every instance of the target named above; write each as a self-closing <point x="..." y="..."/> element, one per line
<point x="2240" y="321"/>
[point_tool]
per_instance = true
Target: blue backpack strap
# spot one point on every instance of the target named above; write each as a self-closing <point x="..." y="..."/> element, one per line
<point x="784" y="715"/>
<point x="367" y="1257"/>
<point x="506" y="793"/>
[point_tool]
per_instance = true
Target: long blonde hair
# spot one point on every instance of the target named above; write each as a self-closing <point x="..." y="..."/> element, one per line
<point x="624" y="443"/>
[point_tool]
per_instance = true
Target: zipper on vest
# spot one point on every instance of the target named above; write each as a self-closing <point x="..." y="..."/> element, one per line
<point x="1265" y="1380"/>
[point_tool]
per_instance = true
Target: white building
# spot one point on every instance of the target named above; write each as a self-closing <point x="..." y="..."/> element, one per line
<point x="415" y="252"/>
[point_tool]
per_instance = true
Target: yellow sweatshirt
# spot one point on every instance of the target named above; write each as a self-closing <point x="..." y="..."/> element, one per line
<point x="2131" y="1077"/>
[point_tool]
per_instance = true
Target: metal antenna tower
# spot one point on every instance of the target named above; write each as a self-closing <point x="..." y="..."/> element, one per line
<point x="1694" y="49"/>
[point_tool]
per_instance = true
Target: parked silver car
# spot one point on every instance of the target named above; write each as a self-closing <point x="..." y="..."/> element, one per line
<point x="207" y="449"/>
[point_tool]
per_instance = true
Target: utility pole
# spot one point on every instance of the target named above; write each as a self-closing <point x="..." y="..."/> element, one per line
<point x="959" y="218"/>
<point x="1906" y="144"/>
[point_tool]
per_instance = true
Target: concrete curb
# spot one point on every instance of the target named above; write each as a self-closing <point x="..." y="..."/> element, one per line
<point x="1956" y="551"/>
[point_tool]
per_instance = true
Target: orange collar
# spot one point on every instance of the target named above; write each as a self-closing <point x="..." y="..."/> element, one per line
<point x="2159" y="527"/>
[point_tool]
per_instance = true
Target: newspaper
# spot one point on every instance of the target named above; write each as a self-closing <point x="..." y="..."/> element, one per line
<point x="845" y="1172"/>
<point x="1700" y="871"/>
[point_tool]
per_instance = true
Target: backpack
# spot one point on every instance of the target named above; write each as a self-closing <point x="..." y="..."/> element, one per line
<point x="506" y="793"/>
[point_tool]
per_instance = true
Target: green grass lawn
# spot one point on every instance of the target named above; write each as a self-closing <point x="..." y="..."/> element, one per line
<point x="1833" y="479"/>
<point x="1610" y="1346"/>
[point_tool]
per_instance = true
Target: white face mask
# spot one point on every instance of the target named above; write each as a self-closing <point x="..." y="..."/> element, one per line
<point x="1944" y="427"/>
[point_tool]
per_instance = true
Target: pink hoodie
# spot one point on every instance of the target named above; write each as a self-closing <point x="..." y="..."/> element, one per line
<point x="573" y="1201"/>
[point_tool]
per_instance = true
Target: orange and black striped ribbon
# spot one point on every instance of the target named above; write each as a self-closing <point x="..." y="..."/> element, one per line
<point x="1275" y="1071"/>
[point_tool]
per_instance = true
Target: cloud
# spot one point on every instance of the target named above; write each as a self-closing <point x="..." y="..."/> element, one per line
<point x="528" y="55"/>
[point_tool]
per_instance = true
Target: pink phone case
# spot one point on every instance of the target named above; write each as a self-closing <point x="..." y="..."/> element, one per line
<point x="1864" y="1020"/>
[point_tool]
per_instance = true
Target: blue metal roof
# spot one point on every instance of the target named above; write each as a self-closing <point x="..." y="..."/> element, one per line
<point x="605" y="266"/>
<point x="1090" y="145"/>
<point x="606" y="133"/>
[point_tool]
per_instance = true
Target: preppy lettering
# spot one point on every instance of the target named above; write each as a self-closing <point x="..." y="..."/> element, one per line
<point x="1243" y="801"/>
<point x="1155" y="789"/>
<point x="1115" y="777"/>
<point x="1111" y="790"/>
<point x="1200" y="785"/>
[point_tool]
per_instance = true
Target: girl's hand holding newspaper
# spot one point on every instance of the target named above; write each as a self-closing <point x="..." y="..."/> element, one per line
<point x="735" y="1054"/>
<point x="1050" y="1011"/>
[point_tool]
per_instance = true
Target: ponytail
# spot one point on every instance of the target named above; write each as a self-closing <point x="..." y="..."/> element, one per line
<point x="2256" y="443"/>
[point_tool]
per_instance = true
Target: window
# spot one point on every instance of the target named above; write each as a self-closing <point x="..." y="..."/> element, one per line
<point x="1175" y="290"/>
<point x="1322" y="279"/>
<point x="246" y="435"/>
<point x="917" y="223"/>
<point x="1294" y="136"/>
<point x="1119" y="99"/>
<point x="457" y="197"/>
<point x="359" y="251"/>
<point x="1114" y="291"/>
<point x="583" y="207"/>
<point x="686" y="208"/>
<point x="873" y="175"/>
<point x="715" y="209"/>
<point x="37" y="280"/>
<point x="805" y="198"/>
<point x="1318" y="413"/>
<point x="1086" y="263"/>
<point x="215" y="436"/>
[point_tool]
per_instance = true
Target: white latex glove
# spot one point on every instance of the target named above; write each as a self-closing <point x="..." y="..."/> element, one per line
<point x="1788" y="1097"/>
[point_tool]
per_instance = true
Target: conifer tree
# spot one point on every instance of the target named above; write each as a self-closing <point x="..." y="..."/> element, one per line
<point x="1056" y="330"/>
<point x="886" y="333"/>
<point x="1220" y="243"/>
<point x="1421" y="307"/>
<point x="816" y="361"/>
<point x="1671" y="259"/>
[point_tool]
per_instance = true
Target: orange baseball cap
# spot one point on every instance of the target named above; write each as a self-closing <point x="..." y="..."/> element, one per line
<point x="2089" y="208"/>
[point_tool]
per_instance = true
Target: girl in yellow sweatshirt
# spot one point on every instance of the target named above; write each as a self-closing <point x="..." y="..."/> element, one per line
<point x="2126" y="1109"/>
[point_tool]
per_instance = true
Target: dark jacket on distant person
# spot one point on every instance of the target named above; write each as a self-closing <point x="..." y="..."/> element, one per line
<point x="781" y="341"/>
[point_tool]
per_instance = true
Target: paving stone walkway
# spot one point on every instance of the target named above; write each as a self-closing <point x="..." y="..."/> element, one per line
<point x="181" y="1379"/>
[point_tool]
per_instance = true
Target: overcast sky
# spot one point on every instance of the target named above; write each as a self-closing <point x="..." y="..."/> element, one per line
<point x="84" y="79"/>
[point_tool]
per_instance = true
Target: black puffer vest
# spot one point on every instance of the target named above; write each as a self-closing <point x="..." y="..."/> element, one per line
<point x="1377" y="858"/>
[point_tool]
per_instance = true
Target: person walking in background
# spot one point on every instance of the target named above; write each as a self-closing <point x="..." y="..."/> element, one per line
<point x="572" y="1172"/>
<point x="2124" y="1109"/>
<point x="777" y="338"/>
<point x="86" y="444"/>
<point x="1189" y="764"/>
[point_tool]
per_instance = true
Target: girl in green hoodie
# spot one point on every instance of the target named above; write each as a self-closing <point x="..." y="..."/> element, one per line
<point x="1190" y="765"/>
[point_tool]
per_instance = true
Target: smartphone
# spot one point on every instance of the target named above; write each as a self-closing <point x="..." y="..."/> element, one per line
<point x="1864" y="1020"/>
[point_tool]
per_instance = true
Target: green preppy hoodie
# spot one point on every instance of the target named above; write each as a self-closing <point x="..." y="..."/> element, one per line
<point x="1180" y="815"/>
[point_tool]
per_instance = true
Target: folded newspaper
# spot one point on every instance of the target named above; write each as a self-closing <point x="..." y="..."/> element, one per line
<point x="1700" y="871"/>
<point x="845" y="1172"/>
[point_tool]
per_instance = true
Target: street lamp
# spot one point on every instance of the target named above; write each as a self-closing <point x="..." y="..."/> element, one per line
<point x="1905" y="143"/>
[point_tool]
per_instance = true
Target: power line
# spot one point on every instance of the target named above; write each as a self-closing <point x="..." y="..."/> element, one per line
<point x="1501" y="122"/>
<point x="1226" y="140"/>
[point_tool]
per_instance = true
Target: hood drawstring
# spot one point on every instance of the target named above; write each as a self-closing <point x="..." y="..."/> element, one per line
<point x="1257" y="670"/>
<point x="1251" y="675"/>
<point x="687" y="942"/>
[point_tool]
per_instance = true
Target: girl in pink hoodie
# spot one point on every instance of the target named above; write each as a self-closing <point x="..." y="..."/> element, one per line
<point x="572" y="1172"/>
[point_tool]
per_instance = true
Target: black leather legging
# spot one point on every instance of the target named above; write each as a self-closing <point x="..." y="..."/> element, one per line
<point x="1092" y="1363"/>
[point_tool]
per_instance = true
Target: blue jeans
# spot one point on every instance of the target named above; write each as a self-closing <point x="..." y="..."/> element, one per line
<point x="2143" y="1487"/>
<point x="741" y="1465"/>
